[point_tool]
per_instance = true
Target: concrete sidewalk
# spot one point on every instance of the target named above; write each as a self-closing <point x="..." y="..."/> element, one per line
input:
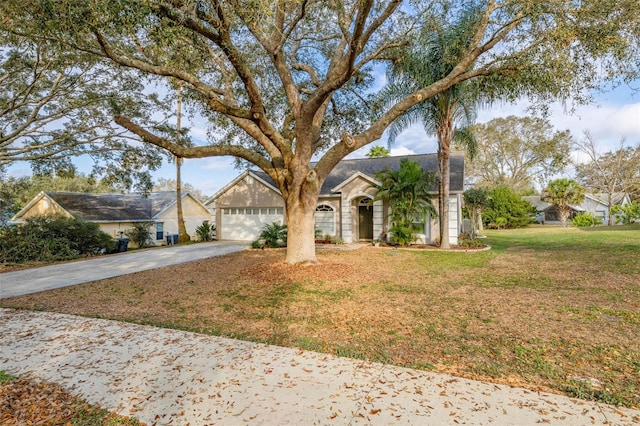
<point x="169" y="377"/>
<point x="98" y="268"/>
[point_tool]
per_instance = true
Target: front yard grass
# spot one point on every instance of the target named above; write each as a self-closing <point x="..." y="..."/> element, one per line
<point x="547" y="308"/>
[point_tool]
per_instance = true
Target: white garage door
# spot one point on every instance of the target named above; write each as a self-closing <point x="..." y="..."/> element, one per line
<point x="245" y="224"/>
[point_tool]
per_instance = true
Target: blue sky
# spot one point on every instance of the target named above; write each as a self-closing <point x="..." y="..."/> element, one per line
<point x="614" y="115"/>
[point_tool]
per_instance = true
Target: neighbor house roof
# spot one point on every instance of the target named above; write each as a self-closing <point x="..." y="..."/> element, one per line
<point x="536" y="201"/>
<point x="345" y="169"/>
<point x="110" y="207"/>
<point x="617" y="198"/>
<point x="540" y="206"/>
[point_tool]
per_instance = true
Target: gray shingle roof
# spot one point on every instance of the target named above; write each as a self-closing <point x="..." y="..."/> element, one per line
<point x="618" y="197"/>
<point x="371" y="166"/>
<point x="113" y="207"/>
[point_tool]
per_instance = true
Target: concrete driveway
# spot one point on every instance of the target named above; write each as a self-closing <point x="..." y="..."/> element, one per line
<point x="98" y="268"/>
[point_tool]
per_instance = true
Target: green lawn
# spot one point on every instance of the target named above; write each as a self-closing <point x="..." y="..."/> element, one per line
<point x="546" y="308"/>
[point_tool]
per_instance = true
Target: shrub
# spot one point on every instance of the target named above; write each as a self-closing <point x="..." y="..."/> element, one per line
<point x="273" y="234"/>
<point x="500" y="223"/>
<point x="141" y="234"/>
<point x="626" y="214"/>
<point x="506" y="209"/>
<point x="465" y="239"/>
<point x="206" y="231"/>
<point x="586" y="219"/>
<point x="402" y="234"/>
<point x="52" y="238"/>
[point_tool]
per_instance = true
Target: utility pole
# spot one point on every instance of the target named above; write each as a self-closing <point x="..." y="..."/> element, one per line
<point x="183" y="236"/>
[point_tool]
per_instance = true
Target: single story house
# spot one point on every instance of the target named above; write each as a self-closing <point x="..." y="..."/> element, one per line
<point x="344" y="208"/>
<point x="594" y="204"/>
<point x="116" y="213"/>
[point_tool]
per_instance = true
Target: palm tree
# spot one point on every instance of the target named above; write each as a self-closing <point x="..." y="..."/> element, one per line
<point x="408" y="191"/>
<point x="563" y="193"/>
<point x="447" y="115"/>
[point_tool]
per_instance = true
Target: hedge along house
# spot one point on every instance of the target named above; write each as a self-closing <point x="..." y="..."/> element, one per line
<point x="116" y="213"/>
<point x="344" y="208"/>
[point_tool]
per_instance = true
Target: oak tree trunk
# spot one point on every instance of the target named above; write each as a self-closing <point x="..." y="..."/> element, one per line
<point x="301" y="209"/>
<point x="301" y="247"/>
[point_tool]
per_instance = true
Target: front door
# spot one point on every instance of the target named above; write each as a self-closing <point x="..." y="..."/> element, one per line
<point x="365" y="220"/>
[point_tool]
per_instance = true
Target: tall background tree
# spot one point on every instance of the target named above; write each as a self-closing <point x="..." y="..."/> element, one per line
<point x="166" y="184"/>
<point x="610" y="172"/>
<point x="378" y="151"/>
<point x="563" y="193"/>
<point x="284" y="82"/>
<point x="448" y="114"/>
<point x="519" y="152"/>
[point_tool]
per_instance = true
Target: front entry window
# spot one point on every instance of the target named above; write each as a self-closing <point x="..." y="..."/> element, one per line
<point x="159" y="231"/>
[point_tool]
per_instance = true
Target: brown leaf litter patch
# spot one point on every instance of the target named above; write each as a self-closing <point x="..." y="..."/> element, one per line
<point x="34" y="402"/>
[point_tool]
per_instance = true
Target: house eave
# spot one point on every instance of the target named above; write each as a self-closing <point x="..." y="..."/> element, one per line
<point x="353" y="177"/>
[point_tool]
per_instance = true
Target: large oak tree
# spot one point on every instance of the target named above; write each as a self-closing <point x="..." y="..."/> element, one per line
<point x="287" y="81"/>
<point x="55" y="104"/>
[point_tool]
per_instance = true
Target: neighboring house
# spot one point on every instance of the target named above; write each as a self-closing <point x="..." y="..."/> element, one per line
<point x="116" y="213"/>
<point x="594" y="204"/>
<point x="344" y="208"/>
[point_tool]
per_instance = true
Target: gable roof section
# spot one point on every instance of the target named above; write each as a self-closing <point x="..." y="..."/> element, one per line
<point x="110" y="207"/>
<point x="618" y="198"/>
<point x="259" y="175"/>
<point x="369" y="167"/>
<point x="353" y="177"/>
<point x="32" y="203"/>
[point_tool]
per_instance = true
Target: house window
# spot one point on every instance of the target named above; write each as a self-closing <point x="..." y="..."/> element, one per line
<point x="325" y="219"/>
<point x="159" y="231"/>
<point x="419" y="224"/>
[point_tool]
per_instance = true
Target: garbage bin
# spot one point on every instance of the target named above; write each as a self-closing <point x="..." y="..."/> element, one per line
<point x="123" y="244"/>
<point x="172" y="239"/>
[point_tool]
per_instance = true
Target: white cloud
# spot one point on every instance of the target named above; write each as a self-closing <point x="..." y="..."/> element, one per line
<point x="215" y="163"/>
<point x="199" y="134"/>
<point x="401" y="150"/>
